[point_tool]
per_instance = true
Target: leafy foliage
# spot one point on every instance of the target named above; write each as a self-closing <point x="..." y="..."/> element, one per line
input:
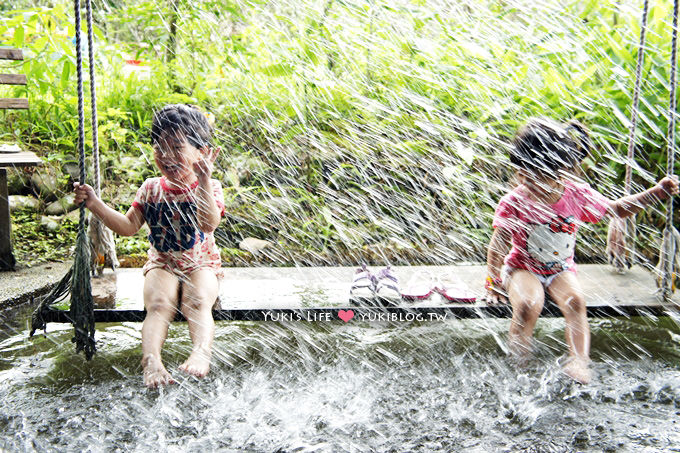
<point x="355" y="130"/>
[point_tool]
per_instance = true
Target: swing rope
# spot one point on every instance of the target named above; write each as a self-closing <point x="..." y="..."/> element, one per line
<point x="93" y="101"/>
<point x="624" y="255"/>
<point x="101" y="238"/>
<point x="81" y="311"/>
<point x="670" y="235"/>
<point x="636" y="100"/>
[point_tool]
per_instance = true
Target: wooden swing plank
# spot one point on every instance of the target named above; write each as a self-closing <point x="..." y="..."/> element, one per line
<point x="366" y="314"/>
<point x="321" y="294"/>
<point x="19" y="159"/>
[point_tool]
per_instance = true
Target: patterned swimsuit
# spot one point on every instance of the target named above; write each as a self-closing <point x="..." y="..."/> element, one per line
<point x="544" y="236"/>
<point x="177" y="244"/>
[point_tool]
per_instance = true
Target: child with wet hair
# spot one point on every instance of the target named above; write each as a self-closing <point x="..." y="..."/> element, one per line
<point x="537" y="221"/>
<point x="182" y="208"/>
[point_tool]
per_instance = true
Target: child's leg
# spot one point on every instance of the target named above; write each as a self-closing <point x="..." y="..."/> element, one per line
<point x="160" y="300"/>
<point x="198" y="297"/>
<point x="566" y="291"/>
<point x="526" y="296"/>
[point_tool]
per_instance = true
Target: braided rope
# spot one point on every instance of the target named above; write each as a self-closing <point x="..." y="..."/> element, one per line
<point x="668" y="252"/>
<point x="93" y="100"/>
<point x="81" y="113"/>
<point x="82" y="306"/>
<point x="629" y="223"/>
<point x="636" y="99"/>
<point x="101" y="238"/>
<point x="81" y="310"/>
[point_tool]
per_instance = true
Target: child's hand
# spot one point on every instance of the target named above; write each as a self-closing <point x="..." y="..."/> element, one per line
<point x="667" y="187"/>
<point x="495" y="293"/>
<point x="204" y="167"/>
<point x="84" y="193"/>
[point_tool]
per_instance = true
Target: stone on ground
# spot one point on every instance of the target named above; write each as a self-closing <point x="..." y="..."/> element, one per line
<point x="104" y="290"/>
<point x="254" y="245"/>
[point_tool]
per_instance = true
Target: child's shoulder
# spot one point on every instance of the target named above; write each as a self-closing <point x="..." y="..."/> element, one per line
<point x="576" y="184"/>
<point x="154" y="181"/>
<point x="149" y="190"/>
<point x="151" y="185"/>
<point x="511" y="202"/>
<point x="578" y="188"/>
<point x="513" y="195"/>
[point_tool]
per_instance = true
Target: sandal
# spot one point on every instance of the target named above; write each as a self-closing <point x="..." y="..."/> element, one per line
<point x="419" y="287"/>
<point x="453" y="289"/>
<point x="387" y="286"/>
<point x="363" y="286"/>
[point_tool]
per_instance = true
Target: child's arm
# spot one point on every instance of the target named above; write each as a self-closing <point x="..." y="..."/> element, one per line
<point x="632" y="204"/>
<point x="122" y="224"/>
<point x="498" y="248"/>
<point x="208" y="214"/>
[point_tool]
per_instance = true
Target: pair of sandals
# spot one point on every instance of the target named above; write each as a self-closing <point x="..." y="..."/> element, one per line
<point x="424" y="285"/>
<point x="383" y="288"/>
<point x="374" y="289"/>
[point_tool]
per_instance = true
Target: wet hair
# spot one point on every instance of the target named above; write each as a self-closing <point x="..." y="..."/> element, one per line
<point x="545" y="146"/>
<point x="182" y="120"/>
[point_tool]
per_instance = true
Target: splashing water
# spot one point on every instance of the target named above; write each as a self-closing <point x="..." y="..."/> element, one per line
<point x="331" y="387"/>
<point x="374" y="131"/>
<point x="377" y="131"/>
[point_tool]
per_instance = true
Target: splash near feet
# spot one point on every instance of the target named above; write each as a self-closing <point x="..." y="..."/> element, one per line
<point x="578" y="370"/>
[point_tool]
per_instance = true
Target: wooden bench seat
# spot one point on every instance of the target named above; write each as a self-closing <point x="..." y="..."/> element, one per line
<point x="287" y="294"/>
<point x="11" y="156"/>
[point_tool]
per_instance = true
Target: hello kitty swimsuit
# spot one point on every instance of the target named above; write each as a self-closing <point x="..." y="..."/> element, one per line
<point x="543" y="236"/>
<point x="177" y="244"/>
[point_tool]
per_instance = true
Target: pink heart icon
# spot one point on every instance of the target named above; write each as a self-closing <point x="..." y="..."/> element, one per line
<point x="346" y="315"/>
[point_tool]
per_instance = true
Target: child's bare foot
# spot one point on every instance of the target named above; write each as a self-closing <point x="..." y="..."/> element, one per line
<point x="198" y="363"/>
<point x="577" y="369"/>
<point x="521" y="350"/>
<point x="520" y="360"/>
<point x="155" y="374"/>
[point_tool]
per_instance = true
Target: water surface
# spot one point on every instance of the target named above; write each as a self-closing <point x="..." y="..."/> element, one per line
<point x="303" y="387"/>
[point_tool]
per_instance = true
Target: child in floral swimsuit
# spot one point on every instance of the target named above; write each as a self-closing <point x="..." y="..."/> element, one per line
<point x="182" y="209"/>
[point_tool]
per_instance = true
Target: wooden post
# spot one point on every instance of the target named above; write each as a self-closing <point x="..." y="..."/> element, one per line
<point x="7" y="261"/>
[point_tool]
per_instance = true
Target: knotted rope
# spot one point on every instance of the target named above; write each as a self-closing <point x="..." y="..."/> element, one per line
<point x="668" y="260"/>
<point x="621" y="234"/>
<point x="81" y="311"/>
<point x="102" y="243"/>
